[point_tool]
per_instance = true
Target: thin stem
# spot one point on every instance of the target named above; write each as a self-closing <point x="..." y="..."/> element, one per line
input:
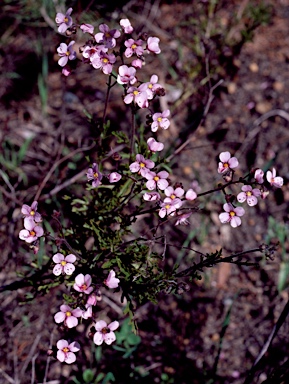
<point x="209" y="262"/>
<point x="132" y="132"/>
<point x="109" y="86"/>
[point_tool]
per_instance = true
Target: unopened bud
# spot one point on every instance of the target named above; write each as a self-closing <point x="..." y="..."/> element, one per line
<point x="160" y="92"/>
<point x="116" y="156"/>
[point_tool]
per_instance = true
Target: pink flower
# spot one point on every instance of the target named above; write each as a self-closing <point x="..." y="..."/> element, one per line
<point x="126" y="75"/>
<point x="191" y="194"/>
<point x="137" y="63"/>
<point x="182" y="219"/>
<point x="65" y="21"/>
<point x="88" y="312"/>
<point x="104" y="61"/>
<point x="31" y="232"/>
<point x="107" y="36"/>
<point x="133" y="47"/>
<point x="160" y="120"/>
<point x="137" y="96"/>
<point x="153" y="45"/>
<point x="93" y="299"/>
<point x="154" y="146"/>
<point x="104" y="332"/>
<point x="31" y="211"/>
<point x="66" y="53"/>
<point x="94" y="174"/>
<point x="273" y="180"/>
<point x="231" y="215"/>
<point x="63" y="264"/>
<point x="151" y="86"/>
<point x="91" y="52"/>
<point x="111" y="281"/>
<point x="151" y="196"/>
<point x="66" y="71"/>
<point x="141" y="165"/>
<point x="249" y="194"/>
<point x="169" y="206"/>
<point x="68" y="316"/>
<point x="87" y="28"/>
<point x="157" y="180"/>
<point x="173" y="193"/>
<point x="114" y="177"/>
<point x="126" y="26"/>
<point x="66" y="351"/>
<point x="83" y="284"/>
<point x="259" y="176"/>
<point x="227" y="162"/>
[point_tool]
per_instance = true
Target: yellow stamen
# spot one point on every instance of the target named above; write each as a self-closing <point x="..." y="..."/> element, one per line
<point x="156" y="178"/>
<point x="63" y="263"/>
<point x="134" y="46"/>
<point x="32" y="213"/>
<point x="68" y="313"/>
<point x="65" y="350"/>
<point x="142" y="165"/>
<point x="159" y="119"/>
<point x="232" y="213"/>
<point x="135" y="92"/>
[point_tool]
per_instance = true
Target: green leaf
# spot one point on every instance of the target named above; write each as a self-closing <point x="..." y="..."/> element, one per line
<point x="88" y="375"/>
<point x="283" y="275"/>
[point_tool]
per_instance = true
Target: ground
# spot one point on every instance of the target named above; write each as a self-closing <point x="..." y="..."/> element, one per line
<point x="214" y="332"/>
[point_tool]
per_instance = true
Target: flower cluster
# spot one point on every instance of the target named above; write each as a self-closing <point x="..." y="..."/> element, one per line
<point x="120" y="54"/>
<point x="32" y="220"/>
<point x="69" y="315"/>
<point x="249" y="194"/>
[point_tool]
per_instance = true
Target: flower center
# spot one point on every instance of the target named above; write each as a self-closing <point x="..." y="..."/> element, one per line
<point x="67" y="53"/>
<point x="105" y="330"/>
<point x="249" y="193"/>
<point x="105" y="60"/>
<point x="134" y="46"/>
<point x="159" y="119"/>
<point x="83" y="287"/>
<point x="156" y="178"/>
<point x="232" y="214"/>
<point x="68" y="314"/>
<point x="95" y="175"/>
<point x="107" y="34"/>
<point x="173" y="196"/>
<point x="63" y="263"/>
<point x="32" y="213"/>
<point x="226" y="165"/>
<point x="66" y="19"/>
<point x="142" y="165"/>
<point x="150" y="86"/>
<point x="32" y="233"/>
<point x="65" y="350"/>
<point x="167" y="206"/>
<point x="135" y="93"/>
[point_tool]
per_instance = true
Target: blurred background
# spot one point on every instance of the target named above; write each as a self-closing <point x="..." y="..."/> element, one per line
<point x="214" y="332"/>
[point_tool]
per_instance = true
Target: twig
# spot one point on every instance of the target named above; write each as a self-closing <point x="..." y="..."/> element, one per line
<point x="76" y="177"/>
<point x="206" y="110"/>
<point x="55" y="165"/>
<point x="31" y="353"/>
<point x="7" y="377"/>
<point x="266" y="346"/>
<point x="256" y="124"/>
<point x="48" y="357"/>
<point x="33" y="368"/>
